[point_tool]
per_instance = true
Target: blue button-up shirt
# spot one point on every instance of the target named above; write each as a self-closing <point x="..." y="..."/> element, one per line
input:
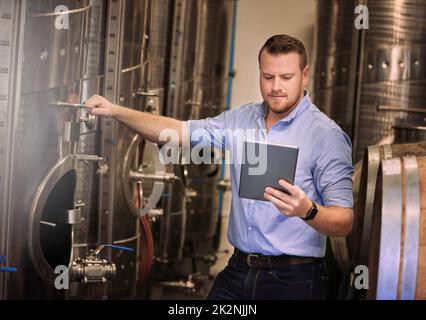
<point x="324" y="172"/>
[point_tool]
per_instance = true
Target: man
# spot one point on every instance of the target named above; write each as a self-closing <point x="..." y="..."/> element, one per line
<point x="279" y="243"/>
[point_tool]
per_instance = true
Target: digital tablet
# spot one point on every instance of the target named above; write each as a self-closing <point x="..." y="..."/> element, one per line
<point x="280" y="163"/>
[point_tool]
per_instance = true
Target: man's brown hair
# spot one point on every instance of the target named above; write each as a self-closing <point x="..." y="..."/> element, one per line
<point x="282" y="44"/>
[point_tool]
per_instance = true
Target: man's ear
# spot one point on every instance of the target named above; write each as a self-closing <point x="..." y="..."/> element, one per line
<point x="305" y="75"/>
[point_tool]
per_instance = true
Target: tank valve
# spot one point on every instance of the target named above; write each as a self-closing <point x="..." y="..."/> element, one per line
<point x="88" y="119"/>
<point x="153" y="213"/>
<point x="94" y="269"/>
<point x="102" y="166"/>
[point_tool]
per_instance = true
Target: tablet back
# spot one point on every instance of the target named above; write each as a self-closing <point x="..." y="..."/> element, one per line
<point x="281" y="161"/>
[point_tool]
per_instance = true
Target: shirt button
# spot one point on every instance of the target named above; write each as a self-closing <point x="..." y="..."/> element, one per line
<point x="249" y="228"/>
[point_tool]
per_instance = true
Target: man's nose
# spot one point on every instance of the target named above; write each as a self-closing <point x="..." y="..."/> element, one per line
<point x="276" y="84"/>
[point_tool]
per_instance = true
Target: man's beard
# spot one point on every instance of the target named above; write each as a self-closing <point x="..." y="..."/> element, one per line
<point x="282" y="106"/>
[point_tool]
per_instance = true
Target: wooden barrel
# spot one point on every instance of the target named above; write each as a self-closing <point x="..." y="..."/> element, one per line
<point x="397" y="250"/>
<point x="359" y="239"/>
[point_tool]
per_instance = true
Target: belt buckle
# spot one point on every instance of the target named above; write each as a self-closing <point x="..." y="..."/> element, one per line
<point x="249" y="257"/>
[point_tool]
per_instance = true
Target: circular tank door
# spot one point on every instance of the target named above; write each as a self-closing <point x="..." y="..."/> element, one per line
<point x="52" y="215"/>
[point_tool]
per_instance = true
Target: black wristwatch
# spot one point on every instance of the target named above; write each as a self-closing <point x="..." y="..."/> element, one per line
<point x="312" y="212"/>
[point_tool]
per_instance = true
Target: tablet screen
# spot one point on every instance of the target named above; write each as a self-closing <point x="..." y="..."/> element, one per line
<point x="263" y="165"/>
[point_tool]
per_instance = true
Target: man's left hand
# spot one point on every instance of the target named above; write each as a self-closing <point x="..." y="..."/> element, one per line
<point x="295" y="204"/>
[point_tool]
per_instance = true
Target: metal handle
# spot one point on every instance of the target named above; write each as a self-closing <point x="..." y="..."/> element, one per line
<point x="87" y="157"/>
<point x="155" y="213"/>
<point x="85" y="117"/>
<point x="190" y="193"/>
<point x="147" y="94"/>
<point x="68" y="105"/>
<point x="163" y="177"/>
<point x="102" y="166"/>
<point x="193" y="103"/>
<point x="399" y="109"/>
<point x="66" y="216"/>
<point x="68" y="12"/>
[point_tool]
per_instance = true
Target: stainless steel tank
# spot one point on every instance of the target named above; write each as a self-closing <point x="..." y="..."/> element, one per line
<point x="392" y="71"/>
<point x="169" y="226"/>
<point x="208" y="100"/>
<point x="139" y="41"/>
<point x="125" y="38"/>
<point x="197" y="80"/>
<point x="86" y="234"/>
<point x="10" y="32"/>
<point x="43" y="145"/>
<point x="169" y="229"/>
<point x="335" y="64"/>
<point x="54" y="152"/>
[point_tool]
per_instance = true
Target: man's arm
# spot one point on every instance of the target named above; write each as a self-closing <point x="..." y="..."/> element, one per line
<point x="331" y="220"/>
<point x="148" y="125"/>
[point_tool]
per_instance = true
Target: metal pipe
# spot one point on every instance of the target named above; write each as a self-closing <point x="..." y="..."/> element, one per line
<point x="399" y="109"/>
<point x="69" y="105"/>
<point x="228" y="101"/>
<point x="52" y="14"/>
<point x="138" y="176"/>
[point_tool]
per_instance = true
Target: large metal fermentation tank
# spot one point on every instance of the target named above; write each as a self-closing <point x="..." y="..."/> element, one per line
<point x="197" y="82"/>
<point x="44" y="147"/>
<point x="208" y="100"/>
<point x="336" y="59"/>
<point x="65" y="199"/>
<point x="334" y="79"/>
<point x="86" y="233"/>
<point x="10" y="33"/>
<point x="392" y="71"/>
<point x="125" y="46"/>
<point x="169" y="217"/>
<point x="140" y="188"/>
<point x="147" y="183"/>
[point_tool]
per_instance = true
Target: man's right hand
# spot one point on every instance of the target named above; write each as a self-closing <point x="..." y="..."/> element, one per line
<point x="149" y="126"/>
<point x="99" y="106"/>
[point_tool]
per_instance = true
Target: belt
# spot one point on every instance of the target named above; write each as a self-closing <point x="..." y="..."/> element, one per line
<point x="259" y="261"/>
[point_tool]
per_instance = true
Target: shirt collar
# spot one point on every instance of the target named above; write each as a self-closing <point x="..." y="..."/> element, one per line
<point x="261" y="109"/>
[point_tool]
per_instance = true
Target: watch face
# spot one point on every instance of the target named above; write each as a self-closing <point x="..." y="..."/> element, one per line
<point x="313" y="213"/>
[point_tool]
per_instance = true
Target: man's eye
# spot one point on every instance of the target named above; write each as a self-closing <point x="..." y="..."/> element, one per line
<point x="268" y="78"/>
<point x="286" y="78"/>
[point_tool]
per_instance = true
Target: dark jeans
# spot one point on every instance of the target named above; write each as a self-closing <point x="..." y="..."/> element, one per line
<point x="295" y="282"/>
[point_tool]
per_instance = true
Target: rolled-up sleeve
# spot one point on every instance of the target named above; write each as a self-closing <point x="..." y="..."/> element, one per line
<point x="333" y="169"/>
